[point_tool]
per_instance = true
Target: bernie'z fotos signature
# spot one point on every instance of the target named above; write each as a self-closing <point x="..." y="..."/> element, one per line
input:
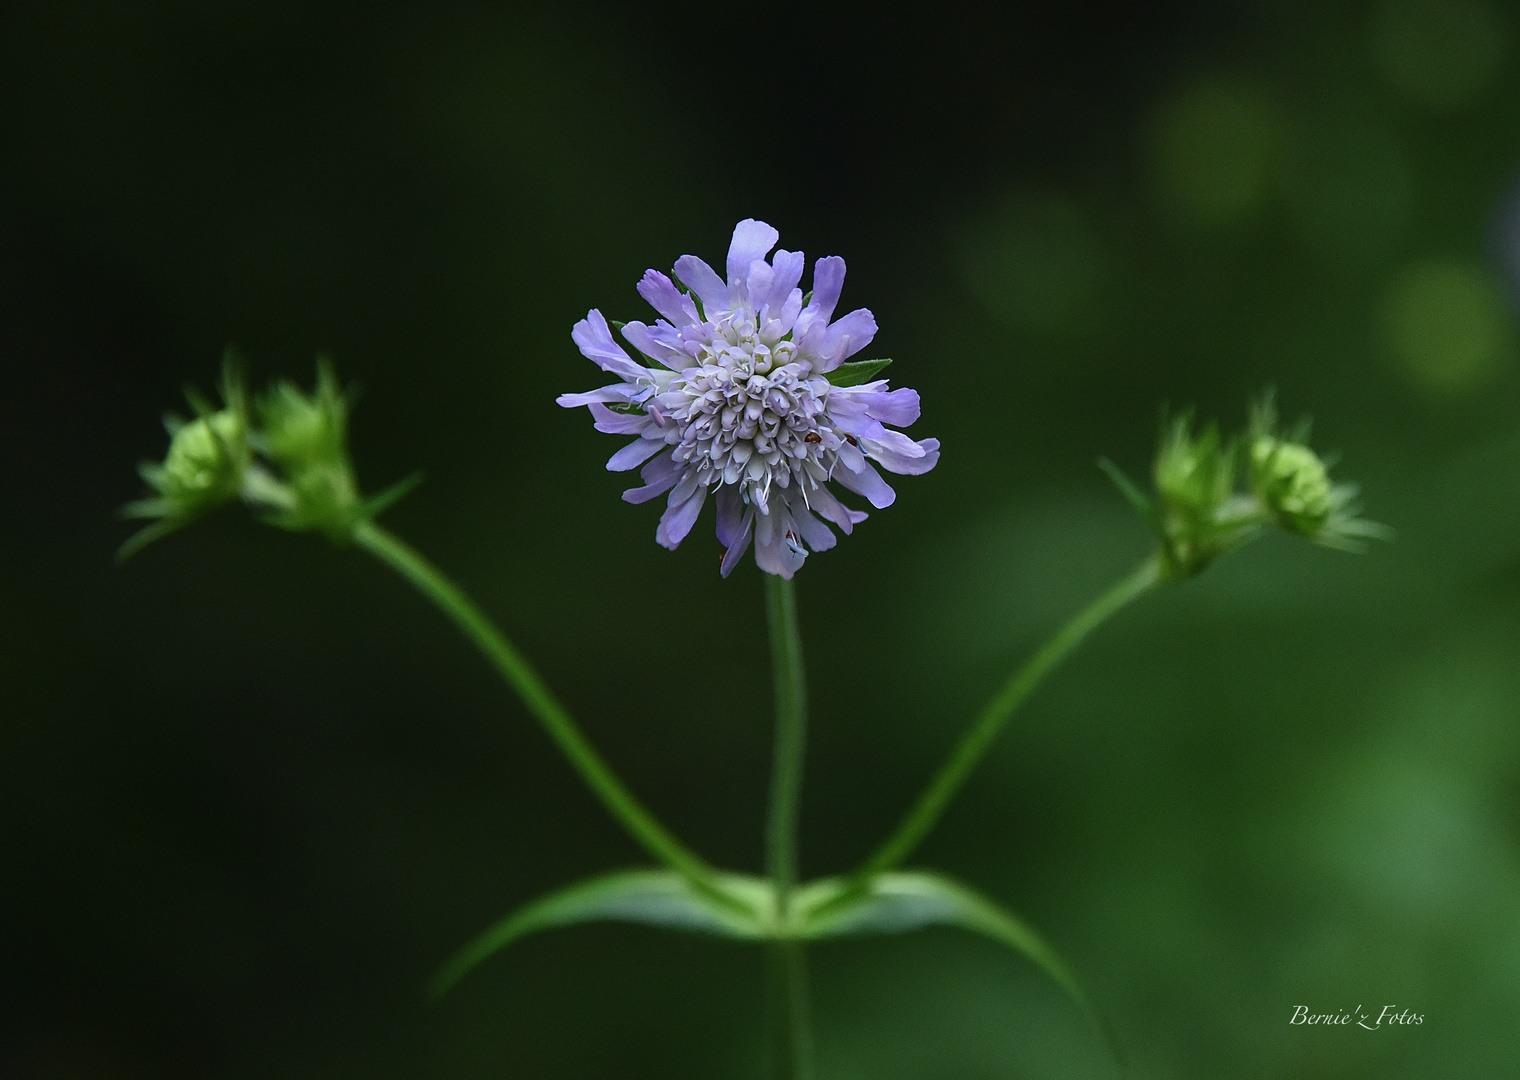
<point x="1390" y="1015"/>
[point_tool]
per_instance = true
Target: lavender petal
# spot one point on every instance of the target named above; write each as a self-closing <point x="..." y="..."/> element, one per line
<point x="772" y="552"/>
<point x="752" y="240"/>
<point x="740" y="545"/>
<point x="615" y="423"/>
<point x="703" y="281"/>
<point x="730" y="514"/>
<point x="907" y="464"/>
<point x="678" y="519"/>
<point x="660" y="475"/>
<point x="828" y="283"/>
<point x="867" y="482"/>
<point x="669" y="301"/>
<point x="635" y="454"/>
<point x="616" y="392"/>
<point x="819" y="536"/>
<point x="846" y="337"/>
<point x="643" y="339"/>
<point x="593" y="337"/>
<point x="831" y="509"/>
<point x="899" y="407"/>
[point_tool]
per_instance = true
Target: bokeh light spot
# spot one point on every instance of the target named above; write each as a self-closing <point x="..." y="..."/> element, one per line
<point x="1212" y="149"/>
<point x="1441" y="53"/>
<point x="1414" y="839"/>
<point x="1446" y="324"/>
<point x="1035" y="261"/>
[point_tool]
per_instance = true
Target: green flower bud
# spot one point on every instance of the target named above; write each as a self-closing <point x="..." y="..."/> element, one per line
<point x="1292" y="483"/>
<point x="1199" y="516"/>
<point x="306" y="437"/>
<point x="207" y="463"/>
<point x="1293" y="486"/>
<point x="300" y="430"/>
<point x="1195" y="475"/>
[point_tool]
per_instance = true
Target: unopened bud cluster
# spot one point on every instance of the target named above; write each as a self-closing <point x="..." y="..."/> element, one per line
<point x="305" y="437"/>
<point x="1213" y="494"/>
<point x="1200" y="516"/>
<point x="286" y="456"/>
<point x="206" y="460"/>
<point x="1293" y="486"/>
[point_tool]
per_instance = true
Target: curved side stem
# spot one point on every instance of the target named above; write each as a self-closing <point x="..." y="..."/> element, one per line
<point x="787" y="963"/>
<point x="973" y="745"/>
<point x="597" y="774"/>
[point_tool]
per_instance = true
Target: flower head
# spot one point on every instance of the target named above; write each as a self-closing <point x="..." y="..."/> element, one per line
<point x="1292" y="483"/>
<point x="1199" y="516"/>
<point x="306" y="437"/>
<point x="205" y="463"/>
<point x="1294" y="487"/>
<point x="204" y="467"/>
<point x="742" y="389"/>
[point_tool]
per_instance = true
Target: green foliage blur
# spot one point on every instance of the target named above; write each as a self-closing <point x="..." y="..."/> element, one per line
<point x="253" y="792"/>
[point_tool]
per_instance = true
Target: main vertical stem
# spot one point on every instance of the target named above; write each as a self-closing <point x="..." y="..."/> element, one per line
<point x="787" y="963"/>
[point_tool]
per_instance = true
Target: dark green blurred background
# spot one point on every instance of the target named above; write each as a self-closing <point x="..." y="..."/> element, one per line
<point x="253" y="790"/>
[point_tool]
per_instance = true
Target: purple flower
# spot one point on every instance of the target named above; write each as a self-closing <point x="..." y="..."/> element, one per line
<point x="731" y="394"/>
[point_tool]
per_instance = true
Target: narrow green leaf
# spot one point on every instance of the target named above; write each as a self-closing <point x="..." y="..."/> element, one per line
<point x="856" y="372"/>
<point x="652" y="897"/>
<point x="897" y="902"/>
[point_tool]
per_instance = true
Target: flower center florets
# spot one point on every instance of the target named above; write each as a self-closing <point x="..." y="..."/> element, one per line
<point x="748" y="413"/>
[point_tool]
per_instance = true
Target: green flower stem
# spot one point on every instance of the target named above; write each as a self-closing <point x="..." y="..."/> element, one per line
<point x="791" y="1032"/>
<point x="931" y="804"/>
<point x="791" y="735"/>
<point x="622" y="804"/>
<point x="787" y="968"/>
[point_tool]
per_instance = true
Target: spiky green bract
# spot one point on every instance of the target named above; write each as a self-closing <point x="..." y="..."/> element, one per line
<point x="1292" y="484"/>
<point x="205" y="466"/>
